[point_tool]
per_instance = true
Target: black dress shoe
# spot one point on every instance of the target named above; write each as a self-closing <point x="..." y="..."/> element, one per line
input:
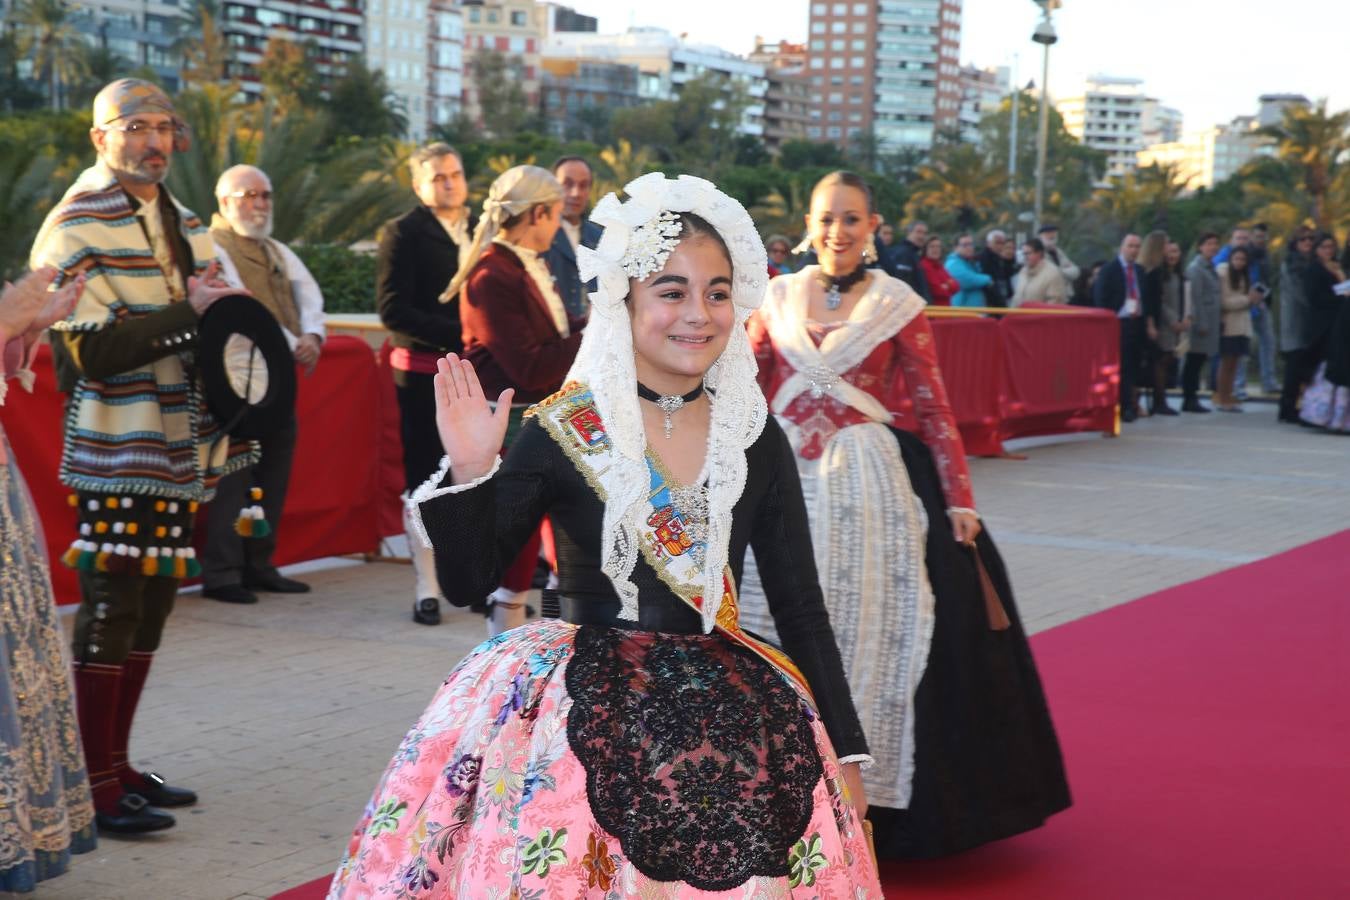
<point x="1162" y="409"/>
<point x="1129" y="415"/>
<point x="427" y="611"/>
<point x="134" y="815"/>
<point x="151" y="786"/>
<point x="231" y="593"/>
<point x="1194" y="407"/>
<point x="274" y="583"/>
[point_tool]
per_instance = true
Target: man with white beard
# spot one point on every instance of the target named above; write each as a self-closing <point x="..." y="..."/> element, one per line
<point x="233" y="567"/>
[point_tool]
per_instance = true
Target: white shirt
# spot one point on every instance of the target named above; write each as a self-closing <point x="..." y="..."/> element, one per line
<point x="537" y="269"/>
<point x="573" y="233"/>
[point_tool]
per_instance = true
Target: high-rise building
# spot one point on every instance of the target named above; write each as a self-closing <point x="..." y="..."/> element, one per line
<point x="1109" y="116"/>
<point x="982" y="93"/>
<point x="397" y="43"/>
<point x="142" y="32"/>
<point x="445" y="62"/>
<point x="1211" y="155"/>
<point x="565" y="18"/>
<point x="1272" y="107"/>
<point x="513" y="28"/>
<point x="1159" y="124"/>
<point x="578" y="94"/>
<point x="889" y="67"/>
<point x="666" y="63"/>
<point x="787" y="94"/>
<point x="331" y="28"/>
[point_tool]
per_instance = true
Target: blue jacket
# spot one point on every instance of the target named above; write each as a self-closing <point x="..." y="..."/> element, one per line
<point x="967" y="274"/>
<point x="562" y="262"/>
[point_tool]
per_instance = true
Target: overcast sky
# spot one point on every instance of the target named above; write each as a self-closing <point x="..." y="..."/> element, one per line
<point x="1210" y="60"/>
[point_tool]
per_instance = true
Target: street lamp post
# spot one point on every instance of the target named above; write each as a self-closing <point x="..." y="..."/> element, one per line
<point x="1045" y="36"/>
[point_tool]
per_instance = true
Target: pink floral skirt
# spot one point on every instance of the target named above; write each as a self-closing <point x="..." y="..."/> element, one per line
<point x="560" y="761"/>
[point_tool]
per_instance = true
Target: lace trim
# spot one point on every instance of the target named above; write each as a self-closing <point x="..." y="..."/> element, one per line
<point x="537" y="269"/>
<point x="605" y="363"/>
<point x="431" y="489"/>
<point x="864" y="760"/>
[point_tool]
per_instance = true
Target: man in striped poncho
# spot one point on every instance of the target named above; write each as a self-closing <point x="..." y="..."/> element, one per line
<point x="141" y="451"/>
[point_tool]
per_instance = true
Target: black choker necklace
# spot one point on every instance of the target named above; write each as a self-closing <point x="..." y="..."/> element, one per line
<point x="837" y="286"/>
<point x="669" y="403"/>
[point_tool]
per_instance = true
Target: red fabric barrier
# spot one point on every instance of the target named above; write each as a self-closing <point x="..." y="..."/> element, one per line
<point x="338" y="502"/>
<point x="1061" y="371"/>
<point x="970" y="352"/>
<point x="1012" y="377"/>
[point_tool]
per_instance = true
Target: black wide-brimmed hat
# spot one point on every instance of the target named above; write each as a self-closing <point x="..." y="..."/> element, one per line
<point x="247" y="367"/>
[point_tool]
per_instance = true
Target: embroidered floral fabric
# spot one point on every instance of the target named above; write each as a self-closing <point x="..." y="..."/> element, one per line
<point x="486" y="797"/>
<point x="697" y="755"/>
<point x="901" y="372"/>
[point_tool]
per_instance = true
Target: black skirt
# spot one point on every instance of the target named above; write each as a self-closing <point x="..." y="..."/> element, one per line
<point x="987" y="761"/>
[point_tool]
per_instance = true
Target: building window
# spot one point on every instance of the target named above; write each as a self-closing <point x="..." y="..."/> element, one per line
<point x="860" y="28"/>
<point x="859" y="44"/>
<point x="518" y="18"/>
<point x="833" y="131"/>
<point x="836" y="97"/>
<point x="860" y="9"/>
<point x="818" y="44"/>
<point x="858" y="62"/>
<point x="475" y="14"/>
<point x="840" y="9"/>
<point x="837" y="62"/>
<point x="817" y="9"/>
<point x="817" y="62"/>
<point x="838" y="27"/>
<point x="816" y="27"/>
<point x="837" y="44"/>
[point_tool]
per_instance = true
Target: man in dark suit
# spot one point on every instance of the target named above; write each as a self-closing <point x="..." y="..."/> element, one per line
<point x="419" y="254"/>
<point x="905" y="256"/>
<point x="574" y="174"/>
<point x="1119" y="288"/>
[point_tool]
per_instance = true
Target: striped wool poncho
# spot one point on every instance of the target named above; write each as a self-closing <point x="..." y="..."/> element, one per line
<point x="145" y="431"/>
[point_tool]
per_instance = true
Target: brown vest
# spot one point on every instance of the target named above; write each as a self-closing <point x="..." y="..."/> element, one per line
<point x="262" y="270"/>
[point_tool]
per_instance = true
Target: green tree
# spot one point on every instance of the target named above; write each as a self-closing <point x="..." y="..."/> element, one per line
<point x="959" y="187"/>
<point x="1072" y="170"/>
<point x="289" y="77"/>
<point x="202" y="47"/>
<point x="503" y="107"/>
<point x="794" y="155"/>
<point x="360" y="104"/>
<point x="1314" y="143"/>
<point x="26" y="193"/>
<point x="16" y="93"/>
<point x="47" y="35"/>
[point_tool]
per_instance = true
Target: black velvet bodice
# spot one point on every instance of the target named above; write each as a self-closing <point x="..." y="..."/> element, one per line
<point x="478" y="532"/>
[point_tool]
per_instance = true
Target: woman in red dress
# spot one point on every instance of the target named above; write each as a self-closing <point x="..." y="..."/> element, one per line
<point x="938" y="666"/>
<point x="941" y="284"/>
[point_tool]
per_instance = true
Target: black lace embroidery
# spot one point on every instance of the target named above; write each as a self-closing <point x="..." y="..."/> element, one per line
<point x="699" y="758"/>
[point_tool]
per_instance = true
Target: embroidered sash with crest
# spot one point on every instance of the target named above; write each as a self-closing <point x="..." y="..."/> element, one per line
<point x="669" y="541"/>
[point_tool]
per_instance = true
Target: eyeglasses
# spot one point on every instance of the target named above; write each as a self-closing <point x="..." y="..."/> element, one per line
<point x="251" y="195"/>
<point x="139" y="129"/>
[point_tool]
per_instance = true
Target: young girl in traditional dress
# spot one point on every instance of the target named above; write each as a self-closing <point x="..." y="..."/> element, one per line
<point x="936" y="658"/>
<point x="643" y="744"/>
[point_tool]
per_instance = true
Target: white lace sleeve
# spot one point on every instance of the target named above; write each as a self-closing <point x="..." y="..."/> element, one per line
<point x="864" y="760"/>
<point x="431" y="489"/>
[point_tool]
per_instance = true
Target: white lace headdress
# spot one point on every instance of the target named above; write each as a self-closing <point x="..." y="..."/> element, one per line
<point x="639" y="236"/>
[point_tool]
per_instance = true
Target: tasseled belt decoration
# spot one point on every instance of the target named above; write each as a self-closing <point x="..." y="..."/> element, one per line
<point x="993" y="604"/>
<point x="115" y="539"/>
<point x="252" y="522"/>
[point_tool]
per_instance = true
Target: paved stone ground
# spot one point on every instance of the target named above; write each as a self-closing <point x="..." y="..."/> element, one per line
<point x="282" y="715"/>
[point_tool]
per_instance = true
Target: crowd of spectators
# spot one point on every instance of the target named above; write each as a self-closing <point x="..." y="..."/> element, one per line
<point x="1190" y="312"/>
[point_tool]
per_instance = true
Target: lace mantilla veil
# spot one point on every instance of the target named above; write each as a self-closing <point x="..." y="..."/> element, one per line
<point x="637" y="242"/>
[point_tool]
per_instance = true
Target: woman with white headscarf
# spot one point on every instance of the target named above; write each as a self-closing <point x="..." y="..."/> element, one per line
<point x="516" y="330"/>
<point x="643" y="744"/>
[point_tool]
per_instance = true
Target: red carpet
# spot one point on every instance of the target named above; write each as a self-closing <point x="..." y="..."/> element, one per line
<point x="1206" y="730"/>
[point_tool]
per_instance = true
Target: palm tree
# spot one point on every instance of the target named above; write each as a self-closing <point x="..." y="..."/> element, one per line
<point x="623" y="164"/>
<point x="1315" y="143"/>
<point x="782" y="211"/>
<point x="49" y="36"/>
<point x="27" y="189"/>
<point x="201" y="45"/>
<point x="959" y="181"/>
